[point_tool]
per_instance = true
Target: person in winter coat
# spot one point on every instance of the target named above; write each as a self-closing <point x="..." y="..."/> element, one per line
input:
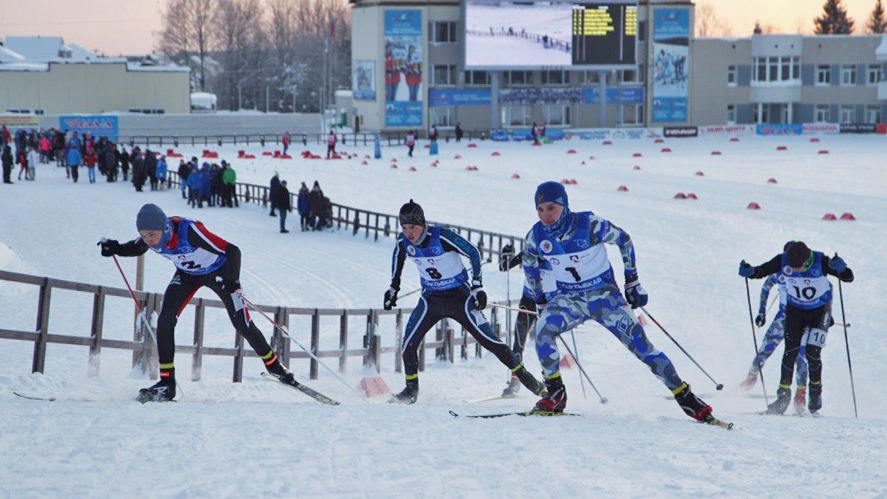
<point x="206" y="180"/>
<point x="194" y="182"/>
<point x="6" y="159"/>
<point x="411" y="142"/>
<point x="286" y="141"/>
<point x="125" y="161"/>
<point x="138" y="169"/>
<point x="272" y="192"/>
<point x="161" y="172"/>
<point x="331" y="144"/>
<point x="33" y="159"/>
<point x="284" y="205"/>
<point x="151" y="168"/>
<point x="229" y="186"/>
<point x="110" y="162"/>
<point x="303" y="204"/>
<point x="74" y="159"/>
<point x="184" y="170"/>
<point x="91" y="160"/>
<point x="202" y="259"/>
<point x="315" y="202"/>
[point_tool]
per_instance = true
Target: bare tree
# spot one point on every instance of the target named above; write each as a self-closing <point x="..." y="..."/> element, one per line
<point x="187" y="34"/>
<point x="708" y="24"/>
<point x="240" y="40"/>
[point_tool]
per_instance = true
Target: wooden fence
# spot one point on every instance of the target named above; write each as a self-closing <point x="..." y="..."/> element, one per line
<point x="375" y="341"/>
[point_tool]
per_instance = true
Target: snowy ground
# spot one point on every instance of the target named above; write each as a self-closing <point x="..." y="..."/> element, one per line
<point x="253" y="439"/>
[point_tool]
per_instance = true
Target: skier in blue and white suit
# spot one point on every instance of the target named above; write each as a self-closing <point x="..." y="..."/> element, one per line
<point x="573" y="244"/>
<point x="446" y="293"/>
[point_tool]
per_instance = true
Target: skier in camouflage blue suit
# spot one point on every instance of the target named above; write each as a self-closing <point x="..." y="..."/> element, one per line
<point x="573" y="244"/>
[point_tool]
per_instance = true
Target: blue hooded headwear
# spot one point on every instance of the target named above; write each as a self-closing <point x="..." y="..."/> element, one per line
<point x="151" y="217"/>
<point x="554" y="192"/>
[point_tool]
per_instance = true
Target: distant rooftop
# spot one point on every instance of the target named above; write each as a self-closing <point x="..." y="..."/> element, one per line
<point x="35" y="53"/>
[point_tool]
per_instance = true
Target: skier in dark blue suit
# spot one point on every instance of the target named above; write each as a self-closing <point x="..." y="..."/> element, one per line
<point x="804" y="273"/>
<point x="447" y="292"/>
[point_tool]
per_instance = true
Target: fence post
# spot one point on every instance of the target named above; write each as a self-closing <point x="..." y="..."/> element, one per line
<point x="197" y="359"/>
<point x="42" y="327"/>
<point x="343" y="340"/>
<point x="440" y="353"/>
<point x="315" y="340"/>
<point x="95" y="349"/>
<point x="237" y="376"/>
<point x="451" y="344"/>
<point x="278" y="342"/>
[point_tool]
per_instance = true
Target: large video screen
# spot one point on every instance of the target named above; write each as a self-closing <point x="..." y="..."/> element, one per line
<point x="554" y="33"/>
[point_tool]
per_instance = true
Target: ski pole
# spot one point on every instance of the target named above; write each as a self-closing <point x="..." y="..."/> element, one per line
<point x="847" y="345"/>
<point x="582" y="370"/>
<point x="141" y="314"/>
<point x="717" y="385"/>
<point x="754" y="337"/>
<point x="576" y="358"/>
<point x="287" y="334"/>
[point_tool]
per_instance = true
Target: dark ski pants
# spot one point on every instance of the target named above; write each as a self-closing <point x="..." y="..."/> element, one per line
<point x="453" y="304"/>
<point x="525" y="321"/>
<point x="180" y="291"/>
<point x="797" y="322"/>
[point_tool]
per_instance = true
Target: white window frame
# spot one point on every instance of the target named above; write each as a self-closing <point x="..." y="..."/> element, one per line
<point x="557" y="114"/>
<point x="439" y="35"/>
<point x="443" y="74"/>
<point x="847" y="114"/>
<point x="873" y="74"/>
<point x="731" y="114"/>
<point x="848" y="75"/>
<point x="821" y="112"/>
<point x="526" y="76"/>
<point x="823" y="75"/>
<point x="515" y="114"/>
<point x="442" y="115"/>
<point x="872" y="114"/>
<point x="731" y="76"/>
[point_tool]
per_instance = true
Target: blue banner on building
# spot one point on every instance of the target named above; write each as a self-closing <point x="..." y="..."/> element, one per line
<point x="671" y="64"/>
<point x="627" y="95"/>
<point x="95" y="126"/>
<point x="403" y="68"/>
<point x="779" y="129"/>
<point x="459" y="97"/>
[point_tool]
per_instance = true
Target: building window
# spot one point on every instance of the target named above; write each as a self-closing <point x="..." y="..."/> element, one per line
<point x="516" y="115"/>
<point x="823" y="75"/>
<point x="477" y="77"/>
<point x="873" y="74"/>
<point x="847" y="114"/>
<point x="872" y="114"/>
<point x="731" y="76"/>
<point x="442" y="115"/>
<point x="555" y="77"/>
<point x="820" y="113"/>
<point x="762" y="113"/>
<point x="630" y="76"/>
<point x="633" y="114"/>
<point x="442" y="32"/>
<point x="443" y="74"/>
<point x="848" y="75"/>
<point x="519" y="77"/>
<point x="731" y="114"/>
<point x="556" y="114"/>
<point x="773" y="69"/>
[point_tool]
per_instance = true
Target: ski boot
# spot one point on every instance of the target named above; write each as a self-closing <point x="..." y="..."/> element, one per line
<point x="276" y="369"/>
<point x="783" y="398"/>
<point x="162" y="391"/>
<point x="512" y="389"/>
<point x="409" y="394"/>
<point x="527" y="379"/>
<point x="554" y="398"/>
<point x="692" y="405"/>
<point x="815" y="402"/>
<point x="749" y="382"/>
<point x="800" y="400"/>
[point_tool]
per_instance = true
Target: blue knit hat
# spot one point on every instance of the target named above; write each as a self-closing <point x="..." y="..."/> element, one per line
<point x="552" y="192"/>
<point x="150" y="217"/>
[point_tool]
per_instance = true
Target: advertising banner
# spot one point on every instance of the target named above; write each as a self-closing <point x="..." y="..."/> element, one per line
<point x="364" y="80"/>
<point x="459" y="97"/>
<point x="403" y="68"/>
<point x="95" y="126"/>
<point x="671" y="54"/>
<point x="779" y="129"/>
<point x="12" y="122"/>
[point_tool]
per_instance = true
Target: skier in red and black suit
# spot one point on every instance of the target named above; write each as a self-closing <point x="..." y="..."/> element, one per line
<point x="201" y="259"/>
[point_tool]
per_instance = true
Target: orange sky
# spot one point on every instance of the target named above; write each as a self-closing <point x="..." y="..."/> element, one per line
<point x="127" y="27"/>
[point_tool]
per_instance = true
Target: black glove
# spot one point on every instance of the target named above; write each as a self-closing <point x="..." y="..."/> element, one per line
<point x="761" y="319"/>
<point x="837" y="264"/>
<point x="230" y="285"/>
<point x="478" y="295"/>
<point x="110" y="247"/>
<point x="390" y="300"/>
<point x="745" y="269"/>
<point x="505" y="257"/>
<point x="635" y="294"/>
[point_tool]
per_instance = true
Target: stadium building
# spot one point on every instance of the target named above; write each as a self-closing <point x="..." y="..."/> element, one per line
<point x="490" y="64"/>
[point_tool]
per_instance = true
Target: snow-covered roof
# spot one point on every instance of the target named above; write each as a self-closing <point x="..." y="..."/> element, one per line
<point x="881" y="51"/>
<point x="48" y="49"/>
<point x="8" y="56"/>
